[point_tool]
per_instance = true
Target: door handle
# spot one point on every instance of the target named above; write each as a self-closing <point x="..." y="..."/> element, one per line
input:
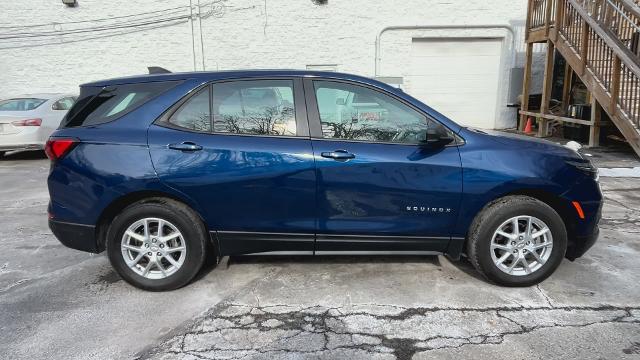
<point x="338" y="155"/>
<point x="185" y="146"/>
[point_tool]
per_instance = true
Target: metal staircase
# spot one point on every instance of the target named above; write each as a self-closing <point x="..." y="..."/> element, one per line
<point x="599" y="40"/>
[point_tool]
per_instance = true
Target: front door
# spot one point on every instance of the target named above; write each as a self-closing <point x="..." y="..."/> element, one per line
<point x="241" y="151"/>
<point x="379" y="187"/>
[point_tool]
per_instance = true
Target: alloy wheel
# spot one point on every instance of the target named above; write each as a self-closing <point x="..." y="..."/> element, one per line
<point x="153" y="248"/>
<point x="521" y="245"/>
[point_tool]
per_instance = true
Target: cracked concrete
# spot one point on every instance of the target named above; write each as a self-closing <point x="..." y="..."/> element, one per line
<point x="59" y="303"/>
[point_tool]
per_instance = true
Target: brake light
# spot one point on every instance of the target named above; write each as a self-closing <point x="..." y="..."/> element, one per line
<point x="27" y="122"/>
<point x="57" y="148"/>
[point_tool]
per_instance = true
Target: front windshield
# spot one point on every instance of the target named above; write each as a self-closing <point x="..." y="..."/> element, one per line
<point x="23" y="104"/>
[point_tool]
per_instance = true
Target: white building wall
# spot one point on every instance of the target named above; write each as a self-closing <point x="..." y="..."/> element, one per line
<point x="242" y="34"/>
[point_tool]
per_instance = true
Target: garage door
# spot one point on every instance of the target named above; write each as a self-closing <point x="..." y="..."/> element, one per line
<point x="457" y="77"/>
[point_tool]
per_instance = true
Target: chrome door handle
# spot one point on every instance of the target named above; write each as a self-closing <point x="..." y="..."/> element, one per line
<point x="338" y="155"/>
<point x="185" y="146"/>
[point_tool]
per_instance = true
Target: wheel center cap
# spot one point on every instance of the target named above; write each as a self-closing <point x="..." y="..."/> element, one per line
<point x="154" y="248"/>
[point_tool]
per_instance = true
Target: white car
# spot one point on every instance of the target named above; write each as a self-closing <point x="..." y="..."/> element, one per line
<point x="27" y="121"/>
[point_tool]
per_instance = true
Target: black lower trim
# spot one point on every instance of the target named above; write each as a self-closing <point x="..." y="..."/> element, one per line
<point x="241" y="242"/>
<point x="75" y="236"/>
<point x="581" y="244"/>
<point x="378" y="243"/>
<point x="455" y="248"/>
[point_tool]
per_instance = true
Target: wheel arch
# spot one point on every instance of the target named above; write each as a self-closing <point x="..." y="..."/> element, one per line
<point x="556" y="202"/>
<point x="120" y="203"/>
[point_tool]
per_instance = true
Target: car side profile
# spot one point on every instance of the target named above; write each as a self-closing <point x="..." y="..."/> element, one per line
<point x="164" y="170"/>
<point x="27" y="121"/>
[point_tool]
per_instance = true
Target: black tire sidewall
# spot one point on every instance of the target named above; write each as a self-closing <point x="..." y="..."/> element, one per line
<point x="519" y="207"/>
<point x="192" y="233"/>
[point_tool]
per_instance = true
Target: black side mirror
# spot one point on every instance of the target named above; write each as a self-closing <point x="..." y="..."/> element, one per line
<point x="437" y="138"/>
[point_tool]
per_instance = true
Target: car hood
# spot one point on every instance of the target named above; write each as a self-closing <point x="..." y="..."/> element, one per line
<point x="523" y="142"/>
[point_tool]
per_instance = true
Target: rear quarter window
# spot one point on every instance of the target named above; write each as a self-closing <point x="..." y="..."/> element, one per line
<point x="99" y="105"/>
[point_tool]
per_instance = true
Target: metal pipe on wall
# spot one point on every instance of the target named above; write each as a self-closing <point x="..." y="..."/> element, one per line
<point x="438" y="27"/>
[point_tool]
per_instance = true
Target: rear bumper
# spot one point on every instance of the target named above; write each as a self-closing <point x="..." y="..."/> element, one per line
<point x="75" y="236"/>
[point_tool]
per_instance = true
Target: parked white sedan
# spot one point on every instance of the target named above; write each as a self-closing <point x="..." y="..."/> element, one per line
<point x="27" y="121"/>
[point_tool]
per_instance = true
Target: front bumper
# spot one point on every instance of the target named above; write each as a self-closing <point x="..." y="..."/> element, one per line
<point x="582" y="244"/>
<point x="75" y="236"/>
<point x="584" y="240"/>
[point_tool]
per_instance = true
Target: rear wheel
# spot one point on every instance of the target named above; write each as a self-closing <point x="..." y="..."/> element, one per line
<point x="157" y="244"/>
<point x="517" y="241"/>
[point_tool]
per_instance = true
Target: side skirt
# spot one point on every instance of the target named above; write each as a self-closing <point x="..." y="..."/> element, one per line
<point x="249" y="243"/>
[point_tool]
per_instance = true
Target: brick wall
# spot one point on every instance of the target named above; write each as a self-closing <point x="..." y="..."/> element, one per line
<point x="239" y="34"/>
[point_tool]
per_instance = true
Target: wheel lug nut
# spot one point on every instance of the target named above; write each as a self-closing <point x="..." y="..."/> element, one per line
<point x="159" y="254"/>
<point x="161" y="246"/>
<point x="154" y="240"/>
<point x="513" y="243"/>
<point x="524" y="251"/>
<point x="521" y="238"/>
<point x="515" y="251"/>
<point x="146" y="245"/>
<point x="149" y="253"/>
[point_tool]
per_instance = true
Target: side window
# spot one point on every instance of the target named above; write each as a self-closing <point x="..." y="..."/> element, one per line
<point x="256" y="107"/>
<point x="351" y="112"/>
<point x="63" y="104"/>
<point x="195" y="113"/>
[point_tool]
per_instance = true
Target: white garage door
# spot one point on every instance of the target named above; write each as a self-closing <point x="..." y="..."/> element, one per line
<point x="457" y="77"/>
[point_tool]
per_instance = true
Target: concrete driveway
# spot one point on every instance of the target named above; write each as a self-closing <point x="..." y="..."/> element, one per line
<point x="57" y="303"/>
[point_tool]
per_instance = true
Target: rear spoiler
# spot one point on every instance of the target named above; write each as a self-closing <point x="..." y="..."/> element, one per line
<point x="158" y="70"/>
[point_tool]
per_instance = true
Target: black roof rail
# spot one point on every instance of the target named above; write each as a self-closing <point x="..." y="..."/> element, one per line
<point x="158" y="70"/>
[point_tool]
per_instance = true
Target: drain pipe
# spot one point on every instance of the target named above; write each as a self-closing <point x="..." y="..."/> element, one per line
<point x="439" y="27"/>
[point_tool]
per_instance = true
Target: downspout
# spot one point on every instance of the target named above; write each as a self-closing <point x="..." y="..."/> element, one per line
<point x="439" y="27"/>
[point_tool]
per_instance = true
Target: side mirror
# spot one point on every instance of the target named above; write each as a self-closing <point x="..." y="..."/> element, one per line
<point x="437" y="138"/>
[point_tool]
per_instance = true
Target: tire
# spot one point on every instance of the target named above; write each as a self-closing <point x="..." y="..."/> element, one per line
<point x="2" y="154"/>
<point x="484" y="250"/>
<point x="179" y="223"/>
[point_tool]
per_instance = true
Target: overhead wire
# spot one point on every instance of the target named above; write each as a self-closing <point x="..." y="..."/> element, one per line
<point x="135" y="23"/>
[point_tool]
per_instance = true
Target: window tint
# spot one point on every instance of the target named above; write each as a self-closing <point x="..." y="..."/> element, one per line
<point x="261" y="107"/>
<point x="24" y="104"/>
<point x="194" y="114"/>
<point x="63" y="104"/>
<point x="98" y="105"/>
<point x="353" y="112"/>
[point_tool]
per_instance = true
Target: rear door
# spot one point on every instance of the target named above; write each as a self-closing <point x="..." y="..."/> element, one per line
<point x="241" y="151"/>
<point x="379" y="189"/>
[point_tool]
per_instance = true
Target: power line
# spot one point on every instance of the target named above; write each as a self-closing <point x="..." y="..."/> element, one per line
<point x="217" y="9"/>
<point x="89" y="37"/>
<point x="161" y="16"/>
<point x="95" y="29"/>
<point x="91" y="20"/>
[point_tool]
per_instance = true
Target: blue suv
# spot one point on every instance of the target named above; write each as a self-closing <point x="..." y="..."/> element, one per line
<point x="164" y="170"/>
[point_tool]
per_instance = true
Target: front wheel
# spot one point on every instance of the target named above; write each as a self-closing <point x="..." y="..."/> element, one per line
<point x="517" y="241"/>
<point x="157" y="244"/>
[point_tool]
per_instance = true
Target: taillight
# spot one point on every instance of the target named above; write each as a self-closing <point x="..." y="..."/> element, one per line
<point x="56" y="148"/>
<point x="27" y="122"/>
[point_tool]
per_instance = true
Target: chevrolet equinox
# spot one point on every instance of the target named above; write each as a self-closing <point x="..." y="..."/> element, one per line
<point x="164" y="170"/>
